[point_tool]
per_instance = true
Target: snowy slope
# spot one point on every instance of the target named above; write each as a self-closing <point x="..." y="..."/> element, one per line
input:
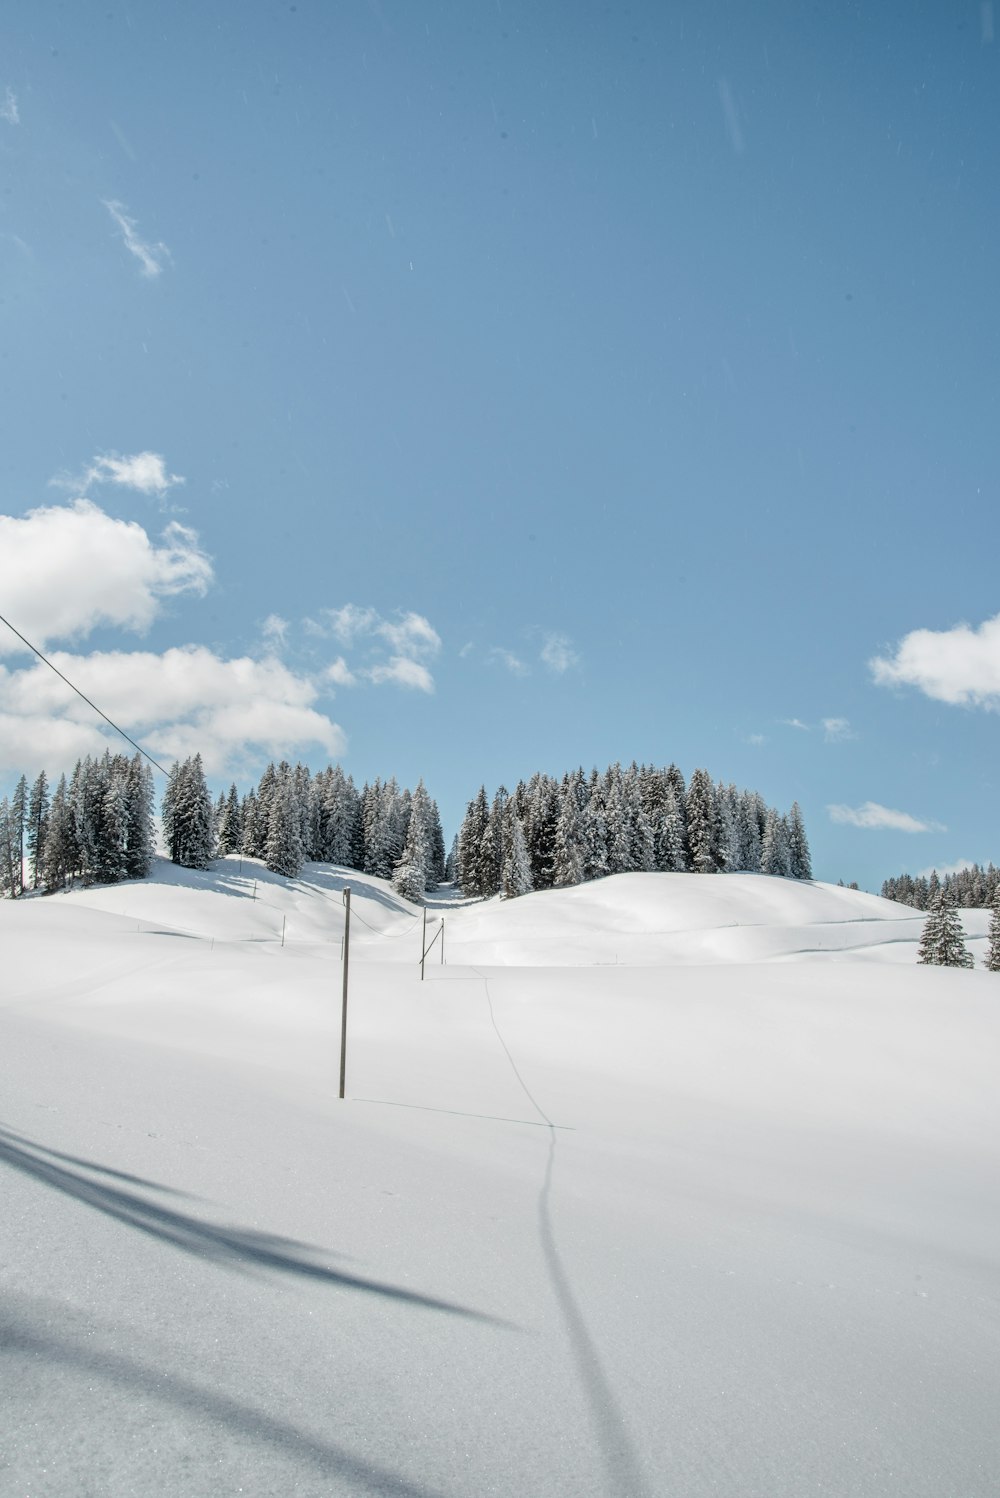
<point x="705" y="1223"/>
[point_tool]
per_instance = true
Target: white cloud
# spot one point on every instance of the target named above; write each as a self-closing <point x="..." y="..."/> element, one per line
<point x="403" y="673"/>
<point x="350" y="622"/>
<point x="941" y="869"/>
<point x="275" y="631"/>
<point x="837" y="730"/>
<point x="507" y="658"/>
<point x="558" y="654"/>
<point x="412" y="641"/>
<point x="8" y="109"/>
<point x="412" y="635"/>
<point x="872" y="815"/>
<point x="959" y="665"/>
<point x="187" y="700"/>
<point x="65" y="569"/>
<point x="757" y="739"/>
<point x="338" y="671"/>
<point x="146" y="472"/>
<point x="151" y="257"/>
<point x="796" y="723"/>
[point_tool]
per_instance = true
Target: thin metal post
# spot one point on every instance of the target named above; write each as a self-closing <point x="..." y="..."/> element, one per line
<point x="343" y="1016"/>
<point x="423" y="945"/>
<point x="442" y="941"/>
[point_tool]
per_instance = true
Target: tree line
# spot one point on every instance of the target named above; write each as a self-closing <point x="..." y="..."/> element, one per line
<point x="550" y="833"/>
<point x="973" y="888"/>
<point x="98" y="827"/>
<point x="293" y="816"/>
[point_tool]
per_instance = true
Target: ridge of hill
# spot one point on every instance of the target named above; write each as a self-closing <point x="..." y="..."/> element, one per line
<point x="626" y="919"/>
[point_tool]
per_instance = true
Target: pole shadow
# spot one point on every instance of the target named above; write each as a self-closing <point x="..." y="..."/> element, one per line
<point x="21" y="1338"/>
<point x="241" y="1249"/>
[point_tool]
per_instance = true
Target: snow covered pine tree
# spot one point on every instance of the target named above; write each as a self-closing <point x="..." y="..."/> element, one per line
<point x="942" y="943"/>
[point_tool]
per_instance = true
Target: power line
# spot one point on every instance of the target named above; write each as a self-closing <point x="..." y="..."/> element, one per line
<point x="86" y="699"/>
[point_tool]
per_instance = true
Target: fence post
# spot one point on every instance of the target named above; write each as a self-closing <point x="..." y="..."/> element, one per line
<point x="423" y="945"/>
<point x="343" y="1014"/>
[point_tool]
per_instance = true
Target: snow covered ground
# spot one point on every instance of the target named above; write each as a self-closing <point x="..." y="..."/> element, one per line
<point x="661" y="1185"/>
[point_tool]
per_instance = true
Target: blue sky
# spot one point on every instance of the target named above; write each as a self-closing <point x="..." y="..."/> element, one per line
<point x="464" y="389"/>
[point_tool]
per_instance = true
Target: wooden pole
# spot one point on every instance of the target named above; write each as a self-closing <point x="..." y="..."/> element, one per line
<point x="423" y="946"/>
<point x="343" y="1015"/>
<point x="442" y="941"/>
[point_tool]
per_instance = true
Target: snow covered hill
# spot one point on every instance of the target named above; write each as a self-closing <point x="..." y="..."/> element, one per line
<point x="630" y="919"/>
<point x="641" y="1193"/>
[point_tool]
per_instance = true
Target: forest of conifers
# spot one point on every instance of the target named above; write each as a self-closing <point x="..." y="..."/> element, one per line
<point x="98" y="826"/>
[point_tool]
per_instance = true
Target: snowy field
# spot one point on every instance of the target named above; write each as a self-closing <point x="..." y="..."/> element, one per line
<point x="663" y="1185"/>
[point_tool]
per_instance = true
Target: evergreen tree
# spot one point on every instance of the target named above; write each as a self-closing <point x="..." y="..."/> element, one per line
<point x="38" y="815"/>
<point x="595" y="831"/>
<point x="470" y="841"/>
<point x="229" y="830"/>
<point x="254" y="836"/>
<point x="435" y="871"/>
<point x="10" y="885"/>
<point x="140" y="835"/>
<point x="992" y="960"/>
<point x="616" y="818"/>
<point x="670" y="856"/>
<point x="570" y="843"/>
<point x="284" y="834"/>
<point x="774" y="846"/>
<point x="702" y="824"/>
<point x="942" y="943"/>
<point x="411" y="875"/>
<point x="109" y="863"/>
<point x="59" y="855"/>
<point x="799" y="861"/>
<point x="726" y="800"/>
<point x="339" y="819"/>
<point x="515" y="878"/>
<point x="186" y="815"/>
<point x="18" y="819"/>
<point x="408" y="880"/>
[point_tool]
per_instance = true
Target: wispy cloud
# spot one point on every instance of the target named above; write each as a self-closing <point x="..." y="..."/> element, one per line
<point x="959" y="665"/>
<point x="151" y="257"/>
<point x="756" y="739"/>
<point x="145" y="472"/>
<point x="837" y="730"/>
<point x="873" y="816"/>
<point x="402" y="672"/>
<point x="340" y="673"/>
<point x="558" y="654"/>
<point x="796" y="723"/>
<point x="8" y="109"/>
<point x="508" y="659"/>
<point x="410" y="639"/>
<point x="274" y="631"/>
<point x="730" y="115"/>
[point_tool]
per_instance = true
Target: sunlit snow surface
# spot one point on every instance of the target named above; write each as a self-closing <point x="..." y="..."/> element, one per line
<point x="660" y="1185"/>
